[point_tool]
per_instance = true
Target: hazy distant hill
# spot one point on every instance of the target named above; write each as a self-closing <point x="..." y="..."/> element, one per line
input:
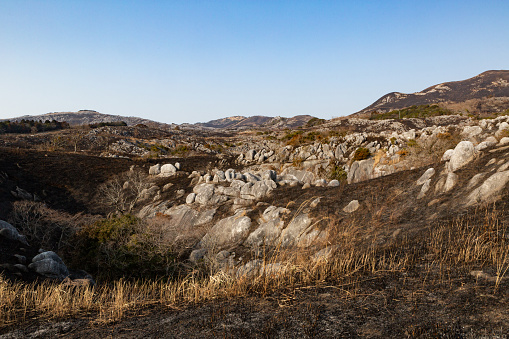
<point x="488" y="91"/>
<point x="257" y="121"/>
<point x="86" y="117"/>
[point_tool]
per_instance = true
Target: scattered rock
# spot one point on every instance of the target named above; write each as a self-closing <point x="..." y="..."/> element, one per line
<point x="463" y="154"/>
<point x="228" y="231"/>
<point x="428" y="174"/>
<point x="190" y="198"/>
<point x="49" y="265"/>
<point x="489" y="191"/>
<point x="424" y="189"/>
<point x="155" y="170"/>
<point x="352" y="206"/>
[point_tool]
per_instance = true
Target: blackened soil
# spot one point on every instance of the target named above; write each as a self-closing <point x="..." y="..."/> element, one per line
<point x="68" y="181"/>
<point x="387" y="306"/>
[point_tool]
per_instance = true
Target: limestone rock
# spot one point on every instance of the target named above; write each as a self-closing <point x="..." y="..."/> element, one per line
<point x="424" y="189"/>
<point x="471" y="131"/>
<point x="475" y="180"/>
<point x="205" y="195"/>
<point x="490" y="190"/>
<point x="447" y="155"/>
<point x="427" y="175"/>
<point x="269" y="229"/>
<point x="450" y="182"/>
<point x="352" y="206"/>
<point x="50" y="265"/>
<point x="295" y="229"/>
<point x="227" y="231"/>
<point x="463" y="154"/>
<point x="10" y="232"/>
<point x="361" y="170"/>
<point x="190" y="198"/>
<point x="168" y="170"/>
<point x="154" y="170"/>
<point x="333" y="183"/>
<point x="197" y="255"/>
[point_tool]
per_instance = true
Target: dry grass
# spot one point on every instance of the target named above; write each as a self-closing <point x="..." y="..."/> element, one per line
<point x="471" y="242"/>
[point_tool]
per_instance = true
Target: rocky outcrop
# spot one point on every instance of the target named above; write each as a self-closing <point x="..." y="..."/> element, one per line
<point x="490" y="190"/>
<point x="462" y="154"/>
<point x="361" y="170"/>
<point x="50" y="265"/>
<point x="227" y="232"/>
<point x="10" y="232"/>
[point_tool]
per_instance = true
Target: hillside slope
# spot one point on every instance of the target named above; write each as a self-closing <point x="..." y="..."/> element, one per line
<point x="486" y="91"/>
<point x="86" y="117"/>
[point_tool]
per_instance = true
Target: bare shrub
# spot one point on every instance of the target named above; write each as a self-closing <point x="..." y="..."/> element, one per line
<point x="125" y="246"/>
<point x="46" y="227"/>
<point x="123" y="192"/>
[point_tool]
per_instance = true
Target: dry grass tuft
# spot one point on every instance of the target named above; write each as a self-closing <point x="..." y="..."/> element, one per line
<point x="474" y="241"/>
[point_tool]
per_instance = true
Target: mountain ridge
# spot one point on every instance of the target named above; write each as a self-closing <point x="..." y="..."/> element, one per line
<point x="488" y="91"/>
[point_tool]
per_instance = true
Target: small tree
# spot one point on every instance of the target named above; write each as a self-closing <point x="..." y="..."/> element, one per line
<point x="124" y="191"/>
<point x="361" y="153"/>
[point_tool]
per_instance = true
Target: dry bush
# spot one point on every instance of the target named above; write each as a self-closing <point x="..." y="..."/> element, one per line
<point x="123" y="192"/>
<point x="45" y="227"/>
<point x="476" y="240"/>
<point x="124" y="246"/>
<point x="431" y="150"/>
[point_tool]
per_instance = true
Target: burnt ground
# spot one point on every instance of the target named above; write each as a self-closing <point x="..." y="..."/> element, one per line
<point x="414" y="303"/>
<point x="67" y="181"/>
<point x="387" y="306"/>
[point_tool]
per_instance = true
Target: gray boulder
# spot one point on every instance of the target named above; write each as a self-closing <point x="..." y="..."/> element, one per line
<point x="333" y="183"/>
<point x="450" y="182"/>
<point x="303" y="176"/>
<point x="428" y="174"/>
<point x="352" y="206"/>
<point x="227" y="232"/>
<point x="50" y="265"/>
<point x="184" y="218"/>
<point x="250" y="270"/>
<point x="206" y="195"/>
<point x="257" y="190"/>
<point x="197" y="255"/>
<point x="250" y="155"/>
<point x="269" y="175"/>
<point x="424" y="189"/>
<point x="10" y="232"/>
<point x="292" y="233"/>
<point x="361" y="170"/>
<point x="154" y="170"/>
<point x="269" y="229"/>
<point x="229" y="174"/>
<point x="463" y="153"/>
<point x="250" y="177"/>
<point x="190" y="198"/>
<point x="168" y="170"/>
<point x="490" y="190"/>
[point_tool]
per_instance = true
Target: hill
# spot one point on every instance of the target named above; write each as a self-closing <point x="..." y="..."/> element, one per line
<point x="257" y="121"/>
<point x="486" y="92"/>
<point x="87" y="117"/>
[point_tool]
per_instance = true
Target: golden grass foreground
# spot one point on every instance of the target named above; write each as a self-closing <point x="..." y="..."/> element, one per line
<point x="475" y="241"/>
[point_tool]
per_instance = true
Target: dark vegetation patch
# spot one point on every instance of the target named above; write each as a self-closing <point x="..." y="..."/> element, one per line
<point x="421" y="111"/>
<point x="31" y="126"/>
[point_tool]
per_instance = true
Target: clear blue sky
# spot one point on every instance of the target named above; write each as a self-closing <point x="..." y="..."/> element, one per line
<point x="190" y="61"/>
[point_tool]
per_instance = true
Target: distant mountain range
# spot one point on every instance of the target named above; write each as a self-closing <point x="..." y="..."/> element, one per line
<point x="488" y="91"/>
<point x="86" y="117"/>
<point x="258" y="121"/>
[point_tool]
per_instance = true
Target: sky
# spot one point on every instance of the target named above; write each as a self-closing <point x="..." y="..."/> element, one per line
<point x="194" y="61"/>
